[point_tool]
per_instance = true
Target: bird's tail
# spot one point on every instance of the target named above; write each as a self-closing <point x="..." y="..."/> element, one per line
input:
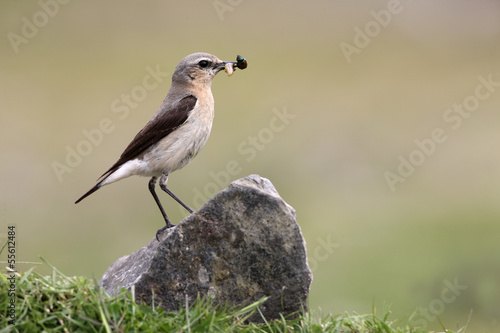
<point x="92" y="190"/>
<point x="100" y="183"/>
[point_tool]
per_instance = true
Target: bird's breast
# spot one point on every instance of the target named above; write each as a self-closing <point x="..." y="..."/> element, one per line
<point x="178" y="148"/>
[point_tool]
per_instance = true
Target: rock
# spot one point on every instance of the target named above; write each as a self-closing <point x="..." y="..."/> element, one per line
<point x="242" y="245"/>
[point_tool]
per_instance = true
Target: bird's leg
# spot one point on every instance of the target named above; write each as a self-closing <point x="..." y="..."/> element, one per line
<point x="163" y="185"/>
<point x="169" y="224"/>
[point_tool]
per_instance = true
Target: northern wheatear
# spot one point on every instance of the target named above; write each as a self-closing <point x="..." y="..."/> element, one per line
<point x="176" y="132"/>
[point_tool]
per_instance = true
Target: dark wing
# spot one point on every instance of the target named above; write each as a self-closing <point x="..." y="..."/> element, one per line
<point x="154" y="131"/>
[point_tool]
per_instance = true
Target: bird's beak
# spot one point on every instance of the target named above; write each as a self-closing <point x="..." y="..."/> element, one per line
<point x="229" y="62"/>
<point x="240" y="63"/>
<point x="221" y="65"/>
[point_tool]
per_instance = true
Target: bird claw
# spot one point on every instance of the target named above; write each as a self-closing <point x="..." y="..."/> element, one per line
<point x="161" y="230"/>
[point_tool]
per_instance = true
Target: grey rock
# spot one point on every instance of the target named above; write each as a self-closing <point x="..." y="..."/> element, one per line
<point x="243" y="244"/>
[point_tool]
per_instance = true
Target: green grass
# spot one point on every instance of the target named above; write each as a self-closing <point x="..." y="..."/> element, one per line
<point x="58" y="303"/>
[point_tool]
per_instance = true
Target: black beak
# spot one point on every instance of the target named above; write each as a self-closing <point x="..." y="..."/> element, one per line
<point x="240" y="63"/>
<point x="221" y="65"/>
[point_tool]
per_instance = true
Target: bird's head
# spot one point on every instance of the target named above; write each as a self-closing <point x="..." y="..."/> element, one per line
<point x="197" y="68"/>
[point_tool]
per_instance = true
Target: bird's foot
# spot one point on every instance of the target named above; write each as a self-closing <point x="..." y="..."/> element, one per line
<point x="161" y="230"/>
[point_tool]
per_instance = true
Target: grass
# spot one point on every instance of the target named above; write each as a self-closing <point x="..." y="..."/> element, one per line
<point x="58" y="303"/>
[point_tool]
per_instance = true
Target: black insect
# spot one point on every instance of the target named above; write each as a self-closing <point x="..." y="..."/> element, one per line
<point x="241" y="62"/>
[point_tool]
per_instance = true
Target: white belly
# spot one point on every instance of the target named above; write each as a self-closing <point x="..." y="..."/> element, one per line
<point x="173" y="151"/>
<point x="178" y="148"/>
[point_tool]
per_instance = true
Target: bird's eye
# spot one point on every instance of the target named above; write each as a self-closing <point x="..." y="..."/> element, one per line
<point x="203" y="63"/>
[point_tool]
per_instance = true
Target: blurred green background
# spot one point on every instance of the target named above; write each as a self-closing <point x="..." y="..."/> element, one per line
<point x="427" y="244"/>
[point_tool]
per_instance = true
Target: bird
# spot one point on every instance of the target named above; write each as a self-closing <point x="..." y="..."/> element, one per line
<point x="177" y="131"/>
